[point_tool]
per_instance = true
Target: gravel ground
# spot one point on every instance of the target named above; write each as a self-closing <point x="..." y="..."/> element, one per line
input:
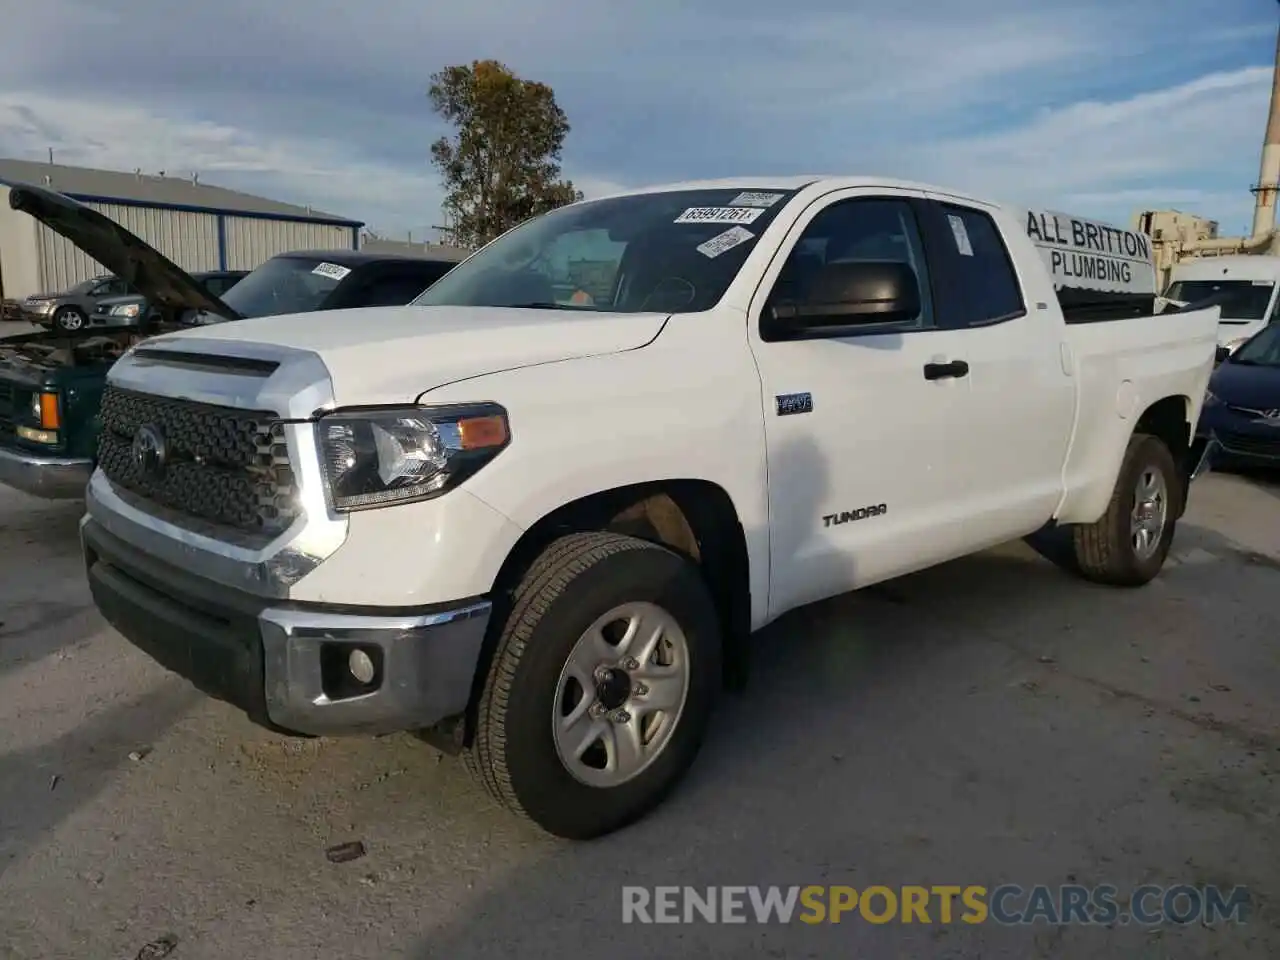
<point x="991" y="721"/>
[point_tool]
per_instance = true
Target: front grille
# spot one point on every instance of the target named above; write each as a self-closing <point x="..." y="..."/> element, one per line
<point x="223" y="465"/>
<point x="1250" y="446"/>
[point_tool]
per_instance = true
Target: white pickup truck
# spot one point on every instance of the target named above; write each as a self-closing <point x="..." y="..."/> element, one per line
<point x="535" y="516"/>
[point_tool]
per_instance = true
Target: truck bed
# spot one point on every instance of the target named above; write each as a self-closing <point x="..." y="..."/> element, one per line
<point x="1122" y="366"/>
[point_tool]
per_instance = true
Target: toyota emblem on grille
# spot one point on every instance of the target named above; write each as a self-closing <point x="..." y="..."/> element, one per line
<point x="149" y="452"/>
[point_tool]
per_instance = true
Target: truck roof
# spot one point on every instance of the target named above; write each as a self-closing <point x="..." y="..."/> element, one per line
<point x="1235" y="267"/>
<point x="1082" y="254"/>
<point x="826" y="182"/>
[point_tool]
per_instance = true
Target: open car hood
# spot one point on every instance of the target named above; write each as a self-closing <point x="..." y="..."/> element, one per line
<point x="138" y="264"/>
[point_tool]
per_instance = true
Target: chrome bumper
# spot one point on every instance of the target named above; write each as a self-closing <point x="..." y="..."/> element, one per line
<point x="424" y="665"/>
<point x="52" y="478"/>
<point x="286" y="665"/>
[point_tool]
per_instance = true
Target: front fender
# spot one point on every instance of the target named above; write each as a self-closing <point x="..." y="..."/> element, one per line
<point x="683" y="408"/>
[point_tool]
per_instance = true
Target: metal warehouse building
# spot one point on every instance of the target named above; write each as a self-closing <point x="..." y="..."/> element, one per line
<point x="196" y="225"/>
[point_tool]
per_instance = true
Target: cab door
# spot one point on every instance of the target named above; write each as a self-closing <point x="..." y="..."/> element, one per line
<point x="862" y="430"/>
<point x="1022" y="398"/>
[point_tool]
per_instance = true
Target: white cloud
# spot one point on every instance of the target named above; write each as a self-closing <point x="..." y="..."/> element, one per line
<point x="276" y="99"/>
<point x="328" y="175"/>
<point x="1173" y="146"/>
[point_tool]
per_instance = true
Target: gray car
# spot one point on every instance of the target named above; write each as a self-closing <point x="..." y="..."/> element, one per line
<point x="70" y="311"/>
<point x="133" y="310"/>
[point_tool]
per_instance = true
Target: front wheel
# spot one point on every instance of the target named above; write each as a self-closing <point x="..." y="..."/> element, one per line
<point x="69" y="320"/>
<point x="601" y="686"/>
<point x="1128" y="545"/>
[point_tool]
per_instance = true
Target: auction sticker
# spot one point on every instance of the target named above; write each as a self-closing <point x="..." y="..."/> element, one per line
<point x="958" y="230"/>
<point x="750" y="199"/>
<point x="719" y="215"/>
<point x="725" y="241"/>
<point x="331" y="270"/>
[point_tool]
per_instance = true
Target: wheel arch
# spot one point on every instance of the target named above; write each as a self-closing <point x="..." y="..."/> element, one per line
<point x="695" y="518"/>
<point x="1169" y="420"/>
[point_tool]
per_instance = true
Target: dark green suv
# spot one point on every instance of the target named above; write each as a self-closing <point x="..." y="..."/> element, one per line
<point x="51" y="383"/>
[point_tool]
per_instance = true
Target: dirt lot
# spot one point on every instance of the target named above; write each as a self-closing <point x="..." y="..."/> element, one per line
<point x="992" y="721"/>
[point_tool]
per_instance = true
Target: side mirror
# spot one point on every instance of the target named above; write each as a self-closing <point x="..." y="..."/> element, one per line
<point x="1221" y="354"/>
<point x="848" y="295"/>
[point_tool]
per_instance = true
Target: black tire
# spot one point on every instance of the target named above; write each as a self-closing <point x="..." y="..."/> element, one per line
<point x="1104" y="549"/>
<point x="577" y="579"/>
<point x="69" y="320"/>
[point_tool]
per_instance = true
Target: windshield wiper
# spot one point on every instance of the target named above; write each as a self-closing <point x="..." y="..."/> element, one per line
<point x="538" y="305"/>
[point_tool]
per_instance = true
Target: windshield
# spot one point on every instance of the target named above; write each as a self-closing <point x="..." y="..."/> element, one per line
<point x="83" y="287"/>
<point x="668" y="252"/>
<point x="1263" y="350"/>
<point x="1242" y="300"/>
<point x="285" y="285"/>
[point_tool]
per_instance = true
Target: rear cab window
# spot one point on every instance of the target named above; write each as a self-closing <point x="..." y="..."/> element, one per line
<point x="974" y="276"/>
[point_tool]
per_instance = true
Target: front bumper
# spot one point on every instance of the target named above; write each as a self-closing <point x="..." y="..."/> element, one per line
<point x="111" y="321"/>
<point x="32" y="315"/>
<point x="41" y="475"/>
<point x="284" y="663"/>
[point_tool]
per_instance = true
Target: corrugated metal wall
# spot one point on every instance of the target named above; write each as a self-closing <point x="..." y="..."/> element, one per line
<point x="188" y="239"/>
<point x="250" y="242"/>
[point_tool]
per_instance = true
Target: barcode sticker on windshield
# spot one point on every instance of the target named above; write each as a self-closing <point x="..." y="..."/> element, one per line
<point x="961" y="235"/>
<point x="719" y="215"/>
<point x="750" y="199"/>
<point x="331" y="270"/>
<point x="724" y="241"/>
<point x="1262" y="283"/>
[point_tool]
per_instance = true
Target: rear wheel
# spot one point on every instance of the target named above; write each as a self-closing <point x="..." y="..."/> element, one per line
<point x="69" y="320"/>
<point x="601" y="686"/>
<point x="1128" y="545"/>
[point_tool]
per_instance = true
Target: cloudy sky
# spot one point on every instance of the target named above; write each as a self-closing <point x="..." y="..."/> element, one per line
<point x="1099" y="107"/>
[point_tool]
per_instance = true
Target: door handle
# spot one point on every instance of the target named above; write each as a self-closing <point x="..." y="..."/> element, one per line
<point x="943" y="371"/>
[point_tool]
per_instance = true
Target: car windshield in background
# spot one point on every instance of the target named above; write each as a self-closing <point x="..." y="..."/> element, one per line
<point x="666" y="252"/>
<point x="285" y="285"/>
<point x="1241" y="300"/>
<point x="1262" y="351"/>
<point x="82" y="288"/>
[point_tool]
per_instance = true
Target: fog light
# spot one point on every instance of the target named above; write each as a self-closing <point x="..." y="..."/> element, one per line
<point x="361" y="666"/>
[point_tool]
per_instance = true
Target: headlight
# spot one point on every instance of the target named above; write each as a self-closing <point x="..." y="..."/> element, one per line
<point x="35" y="407"/>
<point x="372" y="458"/>
<point x="126" y="310"/>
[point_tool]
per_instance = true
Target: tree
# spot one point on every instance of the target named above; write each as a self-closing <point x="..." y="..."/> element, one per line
<point x="502" y="164"/>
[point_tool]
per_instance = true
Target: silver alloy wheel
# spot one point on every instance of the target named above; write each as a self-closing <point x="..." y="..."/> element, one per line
<point x="71" y="319"/>
<point x="1150" y="509"/>
<point x="620" y="694"/>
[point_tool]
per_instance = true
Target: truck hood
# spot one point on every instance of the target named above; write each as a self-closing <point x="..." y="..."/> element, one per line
<point x="138" y="264"/>
<point x="395" y="354"/>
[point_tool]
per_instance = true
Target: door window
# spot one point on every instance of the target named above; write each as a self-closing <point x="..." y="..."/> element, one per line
<point x="852" y="230"/>
<point x="975" y="268"/>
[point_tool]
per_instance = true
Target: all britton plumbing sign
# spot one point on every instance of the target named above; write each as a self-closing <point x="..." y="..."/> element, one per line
<point x="1086" y="254"/>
